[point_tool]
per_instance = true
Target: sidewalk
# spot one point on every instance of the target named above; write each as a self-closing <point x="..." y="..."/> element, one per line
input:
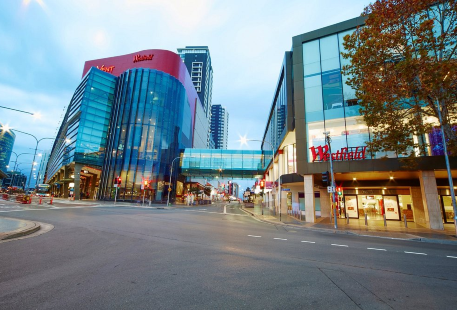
<point x="394" y="229"/>
<point x="14" y="228"/>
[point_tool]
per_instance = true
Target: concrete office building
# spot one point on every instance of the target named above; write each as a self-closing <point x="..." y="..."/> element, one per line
<point x="198" y="62"/>
<point x="219" y="126"/>
<point x="315" y="99"/>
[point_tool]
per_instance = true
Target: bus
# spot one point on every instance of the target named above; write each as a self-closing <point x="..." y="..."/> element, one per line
<point x="43" y="190"/>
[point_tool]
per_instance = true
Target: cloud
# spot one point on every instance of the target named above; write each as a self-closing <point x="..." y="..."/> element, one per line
<point x="49" y="106"/>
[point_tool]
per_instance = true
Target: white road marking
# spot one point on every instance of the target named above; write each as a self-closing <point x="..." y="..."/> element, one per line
<point x="202" y="209"/>
<point x="340" y="245"/>
<point x="234" y="214"/>
<point x="308" y="241"/>
<point x="280" y="239"/>
<point x="415" y="253"/>
<point x="376" y="249"/>
<point x="452" y="256"/>
<point x="253" y="236"/>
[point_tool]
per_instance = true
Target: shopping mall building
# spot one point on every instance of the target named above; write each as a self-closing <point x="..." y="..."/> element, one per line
<point x="311" y="98"/>
<point x="130" y="117"/>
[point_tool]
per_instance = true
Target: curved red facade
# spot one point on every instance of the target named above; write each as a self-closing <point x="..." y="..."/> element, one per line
<point x="161" y="60"/>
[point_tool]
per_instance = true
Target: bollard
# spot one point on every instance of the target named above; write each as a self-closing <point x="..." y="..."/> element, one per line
<point x="406" y="223"/>
<point x="52" y="197"/>
<point x="40" y="200"/>
<point x="385" y="222"/>
<point x="347" y="219"/>
<point x="366" y="219"/>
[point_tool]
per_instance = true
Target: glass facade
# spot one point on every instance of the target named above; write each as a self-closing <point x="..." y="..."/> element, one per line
<point x="82" y="135"/>
<point x="290" y="159"/>
<point x="6" y="147"/>
<point x="223" y="163"/>
<point x="150" y="126"/>
<point x="330" y="104"/>
<point x="276" y="127"/>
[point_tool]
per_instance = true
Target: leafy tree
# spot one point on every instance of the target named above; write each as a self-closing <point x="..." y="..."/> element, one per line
<point x="402" y="67"/>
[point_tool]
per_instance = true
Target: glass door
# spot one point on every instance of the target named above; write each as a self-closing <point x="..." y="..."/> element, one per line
<point x="448" y="210"/>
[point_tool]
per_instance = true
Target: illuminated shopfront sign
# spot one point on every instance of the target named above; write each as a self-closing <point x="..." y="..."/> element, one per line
<point x="139" y="57"/>
<point x="321" y="153"/>
<point x="106" y="69"/>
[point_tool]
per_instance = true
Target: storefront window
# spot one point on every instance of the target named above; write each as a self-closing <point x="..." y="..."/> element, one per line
<point x="315" y="137"/>
<point x="406" y="207"/>
<point x="448" y="210"/>
<point x="289" y="159"/>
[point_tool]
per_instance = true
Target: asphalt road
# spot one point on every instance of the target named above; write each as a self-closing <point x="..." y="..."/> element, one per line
<point x="199" y="258"/>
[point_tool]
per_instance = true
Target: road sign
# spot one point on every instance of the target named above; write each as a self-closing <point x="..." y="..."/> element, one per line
<point x="285" y="189"/>
<point x="330" y="189"/>
<point x="169" y="189"/>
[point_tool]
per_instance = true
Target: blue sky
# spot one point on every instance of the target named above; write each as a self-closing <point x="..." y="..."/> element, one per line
<point x="44" y="44"/>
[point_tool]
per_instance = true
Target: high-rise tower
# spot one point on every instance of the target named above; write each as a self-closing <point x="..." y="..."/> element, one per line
<point x="198" y="62"/>
<point x="219" y="126"/>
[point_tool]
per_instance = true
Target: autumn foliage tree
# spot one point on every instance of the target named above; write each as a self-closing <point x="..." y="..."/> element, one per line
<point x="403" y="68"/>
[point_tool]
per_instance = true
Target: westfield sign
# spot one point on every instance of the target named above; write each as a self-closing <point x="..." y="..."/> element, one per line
<point x="321" y="153"/>
<point x="139" y="57"/>
<point x="106" y="69"/>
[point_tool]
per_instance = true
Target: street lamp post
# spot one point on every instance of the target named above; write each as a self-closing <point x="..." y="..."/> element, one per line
<point x="328" y="140"/>
<point x="448" y="167"/>
<point x="34" y="154"/>
<point x="171" y="175"/>
<point x="244" y="141"/>
<point x="15" y="163"/>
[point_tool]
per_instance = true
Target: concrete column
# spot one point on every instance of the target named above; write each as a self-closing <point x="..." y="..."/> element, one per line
<point x="310" y="212"/>
<point x="93" y="180"/>
<point x="418" y="207"/>
<point x="66" y="175"/>
<point x="77" y="191"/>
<point x="430" y="199"/>
<point x="326" y="208"/>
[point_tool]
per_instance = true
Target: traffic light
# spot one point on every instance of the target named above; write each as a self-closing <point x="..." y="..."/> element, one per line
<point x="339" y="190"/>
<point x="262" y="184"/>
<point x="145" y="182"/>
<point x="117" y="180"/>
<point x="325" y="179"/>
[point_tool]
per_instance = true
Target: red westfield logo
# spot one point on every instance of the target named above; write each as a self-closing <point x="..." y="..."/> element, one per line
<point x="106" y="69"/>
<point x="139" y="57"/>
<point x="321" y="153"/>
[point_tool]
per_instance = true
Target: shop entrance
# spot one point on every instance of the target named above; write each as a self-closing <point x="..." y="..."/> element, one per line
<point x="448" y="210"/>
<point x="375" y="203"/>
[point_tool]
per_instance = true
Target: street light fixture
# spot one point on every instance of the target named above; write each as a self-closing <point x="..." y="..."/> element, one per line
<point x="35" y="115"/>
<point x="244" y="140"/>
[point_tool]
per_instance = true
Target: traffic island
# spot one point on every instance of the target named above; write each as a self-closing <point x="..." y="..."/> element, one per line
<point x="13" y="228"/>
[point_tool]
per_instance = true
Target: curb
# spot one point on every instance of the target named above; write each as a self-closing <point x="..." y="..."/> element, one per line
<point x="351" y="232"/>
<point x="29" y="229"/>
